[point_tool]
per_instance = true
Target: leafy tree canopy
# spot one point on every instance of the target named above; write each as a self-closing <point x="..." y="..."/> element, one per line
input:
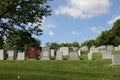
<point x="24" y="15"/>
<point x="1" y="42"/>
<point x="18" y="41"/>
<point x="116" y="28"/>
<point x="107" y="37"/>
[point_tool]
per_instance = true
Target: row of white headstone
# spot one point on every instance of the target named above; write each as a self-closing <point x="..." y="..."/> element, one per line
<point x="71" y="52"/>
<point x="45" y="55"/>
<point x="106" y="53"/>
<point x="11" y="55"/>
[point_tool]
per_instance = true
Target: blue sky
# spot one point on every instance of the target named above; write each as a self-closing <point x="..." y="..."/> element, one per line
<point x="78" y="20"/>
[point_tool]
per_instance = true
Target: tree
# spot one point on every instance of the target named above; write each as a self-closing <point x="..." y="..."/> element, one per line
<point x="24" y="15"/>
<point x="1" y="42"/>
<point x="110" y="37"/>
<point x="54" y="45"/>
<point x="89" y="43"/>
<point x="47" y="44"/>
<point x="18" y="41"/>
<point x="106" y="38"/>
<point x="116" y="28"/>
<point x="75" y="44"/>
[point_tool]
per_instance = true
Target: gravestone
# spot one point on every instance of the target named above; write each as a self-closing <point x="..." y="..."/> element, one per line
<point x="73" y="54"/>
<point x="64" y="51"/>
<point x="90" y="55"/>
<point x="116" y="48"/>
<point x="1" y="54"/>
<point x="102" y="49"/>
<point x="74" y="48"/>
<point x="52" y="52"/>
<point x="116" y="59"/>
<point x="93" y="49"/>
<point x="79" y="52"/>
<point x="59" y="55"/>
<point x="21" y="56"/>
<point x="106" y="54"/>
<point x="84" y="48"/>
<point x="45" y="53"/>
<point x="110" y="47"/>
<point x="33" y="53"/>
<point x="10" y="55"/>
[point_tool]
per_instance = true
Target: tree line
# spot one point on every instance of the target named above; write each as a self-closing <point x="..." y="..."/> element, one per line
<point x="55" y="45"/>
<point x="107" y="37"/>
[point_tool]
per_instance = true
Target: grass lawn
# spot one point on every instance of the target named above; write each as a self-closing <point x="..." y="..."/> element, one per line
<point x="84" y="69"/>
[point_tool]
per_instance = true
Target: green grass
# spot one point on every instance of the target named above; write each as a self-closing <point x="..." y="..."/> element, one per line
<point x="95" y="69"/>
<point x="116" y="52"/>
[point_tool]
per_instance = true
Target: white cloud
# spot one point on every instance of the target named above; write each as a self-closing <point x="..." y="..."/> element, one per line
<point x="50" y="25"/>
<point x="84" y="8"/>
<point x="74" y="33"/>
<point x="51" y="33"/>
<point x="97" y="29"/>
<point x="113" y="20"/>
<point x="47" y="24"/>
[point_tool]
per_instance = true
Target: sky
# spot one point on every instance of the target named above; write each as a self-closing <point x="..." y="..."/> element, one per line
<point x="78" y="20"/>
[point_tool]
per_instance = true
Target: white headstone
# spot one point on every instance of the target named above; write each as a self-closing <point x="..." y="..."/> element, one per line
<point x="1" y="54"/>
<point x="84" y="48"/>
<point x="21" y="56"/>
<point x="93" y="49"/>
<point x="107" y="54"/>
<point x="119" y="45"/>
<point x="73" y="55"/>
<point x="90" y="55"/>
<point x="52" y="52"/>
<point x="116" y="48"/>
<point x="79" y="52"/>
<point x="64" y="50"/>
<point x="10" y="55"/>
<point x="100" y="48"/>
<point x="59" y="55"/>
<point x="110" y="47"/>
<point x="45" y="53"/>
<point x="116" y="59"/>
